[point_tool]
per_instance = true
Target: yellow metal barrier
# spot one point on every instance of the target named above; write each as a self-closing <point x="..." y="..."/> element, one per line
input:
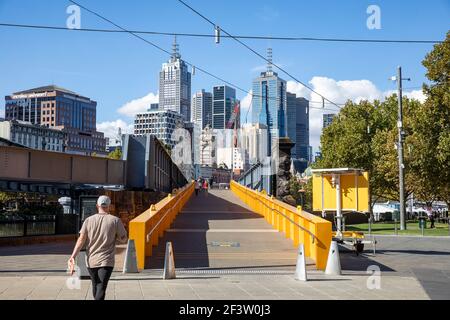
<point x="299" y="226"/>
<point x="147" y="228"/>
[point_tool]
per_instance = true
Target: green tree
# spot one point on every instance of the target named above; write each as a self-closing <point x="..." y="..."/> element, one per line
<point x="431" y="128"/>
<point x="301" y="191"/>
<point x="4" y="198"/>
<point x="116" y="154"/>
<point x="364" y="135"/>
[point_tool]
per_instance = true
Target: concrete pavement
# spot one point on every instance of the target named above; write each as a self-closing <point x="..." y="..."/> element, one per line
<point x="227" y="287"/>
<point x="231" y="253"/>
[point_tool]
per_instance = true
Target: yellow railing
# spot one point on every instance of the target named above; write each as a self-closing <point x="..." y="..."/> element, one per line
<point x="299" y="226"/>
<point x="147" y="228"/>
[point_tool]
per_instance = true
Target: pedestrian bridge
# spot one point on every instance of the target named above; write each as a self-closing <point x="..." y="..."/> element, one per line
<point x="228" y="229"/>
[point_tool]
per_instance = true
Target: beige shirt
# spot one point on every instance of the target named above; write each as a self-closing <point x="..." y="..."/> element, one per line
<point x="102" y="231"/>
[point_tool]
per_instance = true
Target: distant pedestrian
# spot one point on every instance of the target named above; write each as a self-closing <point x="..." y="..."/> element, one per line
<point x="100" y="233"/>
<point x="432" y="219"/>
<point x="430" y="215"/>
<point x="197" y="187"/>
<point x="205" y="185"/>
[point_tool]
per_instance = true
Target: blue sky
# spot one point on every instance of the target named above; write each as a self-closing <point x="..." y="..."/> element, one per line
<point x="115" y="69"/>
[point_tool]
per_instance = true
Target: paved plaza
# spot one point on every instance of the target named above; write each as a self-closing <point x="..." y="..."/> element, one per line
<point x="233" y="254"/>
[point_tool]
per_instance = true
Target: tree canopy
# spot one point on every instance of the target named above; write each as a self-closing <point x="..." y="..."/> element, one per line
<point x="364" y="135"/>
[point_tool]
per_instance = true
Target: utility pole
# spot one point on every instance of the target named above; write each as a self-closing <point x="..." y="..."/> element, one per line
<point x="401" y="166"/>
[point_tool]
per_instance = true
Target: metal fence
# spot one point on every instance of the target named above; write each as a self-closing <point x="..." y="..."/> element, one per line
<point x="23" y="226"/>
<point x="255" y="179"/>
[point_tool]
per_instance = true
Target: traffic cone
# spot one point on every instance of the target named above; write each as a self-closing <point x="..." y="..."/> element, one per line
<point x="130" y="263"/>
<point x="169" y="263"/>
<point x="333" y="262"/>
<point x="300" y="270"/>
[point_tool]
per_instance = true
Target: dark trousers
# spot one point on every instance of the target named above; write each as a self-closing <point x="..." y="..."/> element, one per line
<point x="100" y="278"/>
<point x="196" y="192"/>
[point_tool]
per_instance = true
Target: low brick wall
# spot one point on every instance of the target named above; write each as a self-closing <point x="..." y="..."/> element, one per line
<point x="126" y="205"/>
<point x="22" y="241"/>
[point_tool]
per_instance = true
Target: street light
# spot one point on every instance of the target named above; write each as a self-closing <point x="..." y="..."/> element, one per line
<point x="399" y="145"/>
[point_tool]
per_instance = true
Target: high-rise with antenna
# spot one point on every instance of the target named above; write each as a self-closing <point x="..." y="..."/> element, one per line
<point x="269" y="60"/>
<point x="269" y="102"/>
<point x="175" y="50"/>
<point x="175" y="84"/>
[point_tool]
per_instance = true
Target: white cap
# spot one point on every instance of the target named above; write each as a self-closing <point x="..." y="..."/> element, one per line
<point x="104" y="201"/>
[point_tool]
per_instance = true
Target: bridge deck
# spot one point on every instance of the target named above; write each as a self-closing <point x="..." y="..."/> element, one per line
<point x="217" y="231"/>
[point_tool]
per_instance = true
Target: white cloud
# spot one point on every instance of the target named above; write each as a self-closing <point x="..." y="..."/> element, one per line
<point x="111" y="128"/>
<point x="245" y="106"/>
<point x="415" y="94"/>
<point x="342" y="91"/>
<point x="133" y="107"/>
<point x="298" y="89"/>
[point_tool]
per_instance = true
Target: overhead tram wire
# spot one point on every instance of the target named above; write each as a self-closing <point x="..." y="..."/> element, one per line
<point x="204" y="35"/>
<point x="259" y="55"/>
<point x="170" y="54"/>
<point x="212" y="36"/>
<point x="155" y="46"/>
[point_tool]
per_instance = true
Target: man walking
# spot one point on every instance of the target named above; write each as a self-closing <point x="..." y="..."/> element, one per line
<point x="100" y="233"/>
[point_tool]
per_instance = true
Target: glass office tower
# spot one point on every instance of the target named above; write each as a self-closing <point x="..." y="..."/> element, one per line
<point x="202" y="109"/>
<point x="269" y="104"/>
<point x="224" y="101"/>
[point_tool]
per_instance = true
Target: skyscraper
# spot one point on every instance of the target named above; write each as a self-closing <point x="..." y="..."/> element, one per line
<point x="327" y="119"/>
<point x="298" y="125"/>
<point x="62" y="109"/>
<point x="298" y="130"/>
<point x="202" y="109"/>
<point x="175" y="85"/>
<point x="224" y="101"/>
<point x="160" y="123"/>
<point x="269" y="102"/>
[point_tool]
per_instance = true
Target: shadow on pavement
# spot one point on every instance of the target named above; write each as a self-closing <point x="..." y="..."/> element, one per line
<point x="249" y="267"/>
<point x="191" y="248"/>
<point x="64" y="248"/>
<point x="352" y="262"/>
<point x="412" y="251"/>
<point x="160" y="278"/>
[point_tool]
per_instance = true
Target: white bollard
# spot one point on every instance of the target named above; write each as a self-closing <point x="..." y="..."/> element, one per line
<point x="300" y="270"/>
<point x="333" y="262"/>
<point x="169" y="263"/>
<point x="130" y="263"/>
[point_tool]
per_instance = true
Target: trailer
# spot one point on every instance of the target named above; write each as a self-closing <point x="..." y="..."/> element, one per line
<point x="343" y="189"/>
